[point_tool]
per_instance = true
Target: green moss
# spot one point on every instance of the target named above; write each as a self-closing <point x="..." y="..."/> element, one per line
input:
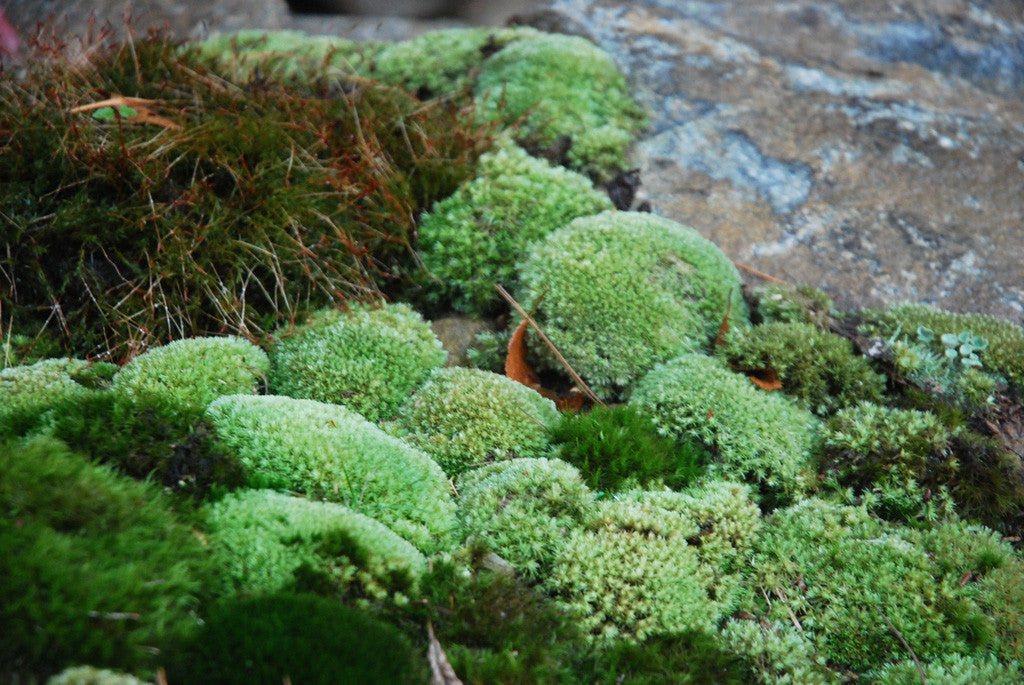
<point x="617" y="448"/>
<point x="368" y="359"/>
<point x="1001" y="593"/>
<point x="894" y="455"/>
<point x="823" y="370"/>
<point x="330" y="452"/>
<point x="837" y="570"/>
<point x="473" y="239"/>
<point x="254" y="202"/>
<point x="464" y="418"/>
<point x="263" y="541"/>
<point x="523" y="508"/>
<point x="628" y="577"/>
<point x="784" y="303"/>
<point x="443" y="62"/>
<point x="621" y="291"/>
<point x="49" y="387"/>
<point x="1003" y="355"/>
<point x="295" y="638"/>
<point x="95" y="568"/>
<point x="757" y="436"/>
<point x="950" y="669"/>
<point x="89" y="675"/>
<point x="563" y="87"/>
<point x="775" y="653"/>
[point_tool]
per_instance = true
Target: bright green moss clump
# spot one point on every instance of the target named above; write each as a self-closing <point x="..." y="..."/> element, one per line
<point x="621" y="291"/>
<point x="820" y="368"/>
<point x="473" y="239"/>
<point x="89" y="675"/>
<point x="95" y="567"/>
<point x="367" y="359"/>
<point x="330" y="452"/>
<point x="564" y="86"/>
<point x="46" y="388"/>
<point x="464" y="418"/>
<point x="264" y="541"/>
<point x="522" y="509"/>
<point x="835" y="568"/>
<point x="756" y="435"/>
<point x="950" y="669"/>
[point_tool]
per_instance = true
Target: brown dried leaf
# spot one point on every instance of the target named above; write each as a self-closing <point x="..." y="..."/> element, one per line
<point x="766" y="378"/>
<point x="518" y="369"/>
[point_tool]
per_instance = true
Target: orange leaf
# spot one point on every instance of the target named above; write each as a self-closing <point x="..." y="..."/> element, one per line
<point x="766" y="379"/>
<point x="519" y="370"/>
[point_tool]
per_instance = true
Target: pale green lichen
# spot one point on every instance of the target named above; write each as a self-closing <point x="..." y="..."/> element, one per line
<point x="49" y="386"/>
<point x="368" y="359"/>
<point x="758" y="436"/>
<point x="264" y="541"/>
<point x="465" y="418"/>
<point x="178" y="380"/>
<point x="563" y="86"/>
<point x="619" y="292"/>
<point x="473" y="239"/>
<point x="330" y="452"/>
<point x="523" y="508"/>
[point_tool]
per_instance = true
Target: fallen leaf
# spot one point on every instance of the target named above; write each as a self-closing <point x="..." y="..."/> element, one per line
<point x="766" y="378"/>
<point x="723" y="328"/>
<point x="519" y="370"/>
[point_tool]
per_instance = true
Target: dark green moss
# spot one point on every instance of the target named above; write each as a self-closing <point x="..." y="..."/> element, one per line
<point x="295" y="638"/>
<point x="94" y="568"/>
<point x="617" y="446"/>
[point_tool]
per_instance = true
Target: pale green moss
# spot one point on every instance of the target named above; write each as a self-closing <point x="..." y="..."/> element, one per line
<point x="837" y="570"/>
<point x="820" y="368"/>
<point x="178" y="380"/>
<point x="1004" y="354"/>
<point x="90" y="675"/>
<point x="950" y="669"/>
<point x="758" y="436"/>
<point x="784" y="303"/>
<point x="368" y="359"/>
<point x="473" y="239"/>
<point x="523" y="508"/>
<point x="330" y="452"/>
<point x="49" y="386"/>
<point x="619" y="292"/>
<point x="286" y="54"/>
<point x="777" y="653"/>
<point x="464" y="418"/>
<point x="632" y="575"/>
<point x="442" y="62"/>
<point x="563" y="86"/>
<point x="263" y="541"/>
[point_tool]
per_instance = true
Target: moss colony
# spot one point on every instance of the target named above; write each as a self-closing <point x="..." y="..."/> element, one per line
<point x="230" y="448"/>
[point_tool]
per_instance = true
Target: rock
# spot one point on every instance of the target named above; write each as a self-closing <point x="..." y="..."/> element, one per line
<point x="457" y="334"/>
<point x="872" y="148"/>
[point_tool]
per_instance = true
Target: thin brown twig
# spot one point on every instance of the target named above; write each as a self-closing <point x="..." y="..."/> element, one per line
<point x="760" y="274"/>
<point x="551" y="346"/>
<point x="917" y="662"/>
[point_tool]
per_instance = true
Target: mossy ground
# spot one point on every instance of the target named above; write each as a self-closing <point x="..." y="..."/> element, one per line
<point x="858" y="503"/>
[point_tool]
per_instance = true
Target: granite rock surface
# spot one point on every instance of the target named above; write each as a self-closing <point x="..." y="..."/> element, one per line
<point x="872" y="148"/>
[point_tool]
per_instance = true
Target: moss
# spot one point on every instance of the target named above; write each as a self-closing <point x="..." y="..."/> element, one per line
<point x="368" y="359"/>
<point x="295" y="638"/>
<point x="1005" y="340"/>
<point x="263" y="541"/>
<point x="834" y="568"/>
<point x="330" y="452"/>
<point x="1001" y="593"/>
<point x="775" y="653"/>
<point x="49" y="387"/>
<point x="617" y="448"/>
<point x="443" y="62"/>
<point x="250" y="203"/>
<point x="784" y="303"/>
<point x="523" y="508"/>
<point x="90" y="675"/>
<point x="627" y="577"/>
<point x="464" y="418"/>
<point x="755" y="435"/>
<point x="473" y="239"/>
<point x="96" y="568"/>
<point x="823" y="370"/>
<point x="621" y="291"/>
<point x="950" y="669"/>
<point x="563" y="87"/>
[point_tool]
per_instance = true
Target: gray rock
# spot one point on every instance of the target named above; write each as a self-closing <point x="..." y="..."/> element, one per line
<point x="872" y="148"/>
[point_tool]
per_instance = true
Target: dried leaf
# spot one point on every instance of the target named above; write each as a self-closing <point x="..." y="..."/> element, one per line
<point x="132" y="110"/>
<point x="441" y="671"/>
<point x="766" y="378"/>
<point x="518" y="369"/>
<point x="723" y="328"/>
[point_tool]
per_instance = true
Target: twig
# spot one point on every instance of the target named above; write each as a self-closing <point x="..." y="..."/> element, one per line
<point x="551" y="346"/>
<point x="760" y="274"/>
<point x="792" y="616"/>
<point x="917" y="662"/>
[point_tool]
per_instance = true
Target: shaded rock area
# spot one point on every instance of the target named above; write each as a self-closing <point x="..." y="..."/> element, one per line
<point x="872" y="148"/>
